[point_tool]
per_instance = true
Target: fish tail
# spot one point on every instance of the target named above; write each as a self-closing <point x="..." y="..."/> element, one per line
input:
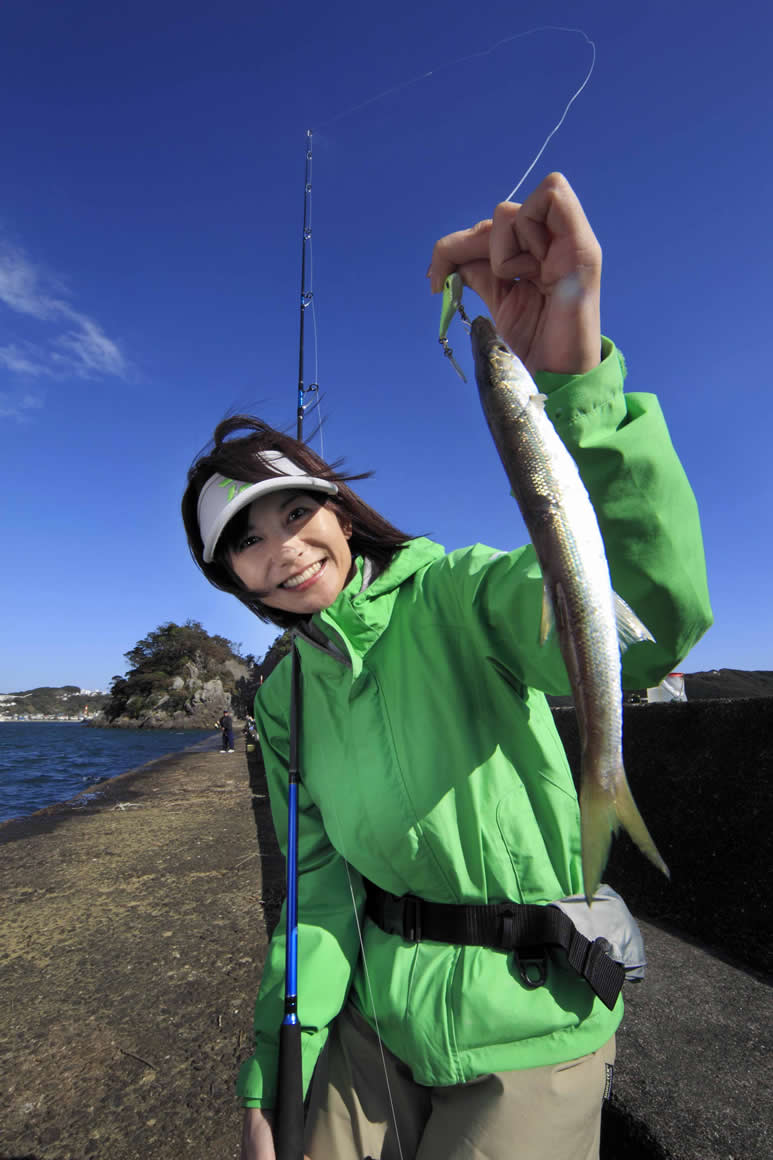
<point x="599" y="822"/>
<point x="603" y="811"/>
<point x="632" y="821"/>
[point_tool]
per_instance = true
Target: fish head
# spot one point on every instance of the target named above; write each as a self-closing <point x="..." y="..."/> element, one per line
<point x="504" y="384"/>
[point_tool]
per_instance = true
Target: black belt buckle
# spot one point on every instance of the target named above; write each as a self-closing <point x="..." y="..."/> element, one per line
<point x="526" y="959"/>
<point x="598" y="952"/>
<point x="507" y="930"/>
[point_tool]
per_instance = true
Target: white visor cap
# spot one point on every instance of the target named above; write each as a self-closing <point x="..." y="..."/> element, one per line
<point x="222" y="498"/>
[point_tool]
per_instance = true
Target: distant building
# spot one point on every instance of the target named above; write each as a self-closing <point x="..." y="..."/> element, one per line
<point x="671" y="688"/>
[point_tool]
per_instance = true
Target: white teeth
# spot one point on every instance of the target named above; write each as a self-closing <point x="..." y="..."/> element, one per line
<point x="294" y="581"/>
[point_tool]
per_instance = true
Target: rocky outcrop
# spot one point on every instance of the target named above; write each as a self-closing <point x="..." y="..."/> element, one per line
<point x="192" y="701"/>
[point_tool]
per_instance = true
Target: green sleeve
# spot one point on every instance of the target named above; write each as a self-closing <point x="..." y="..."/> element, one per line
<point x="648" y="518"/>
<point x="645" y="507"/>
<point x="328" y="943"/>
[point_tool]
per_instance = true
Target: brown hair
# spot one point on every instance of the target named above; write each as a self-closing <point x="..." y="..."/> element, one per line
<point x="233" y="455"/>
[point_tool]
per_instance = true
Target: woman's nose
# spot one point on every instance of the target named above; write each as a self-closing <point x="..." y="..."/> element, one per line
<point x="287" y="547"/>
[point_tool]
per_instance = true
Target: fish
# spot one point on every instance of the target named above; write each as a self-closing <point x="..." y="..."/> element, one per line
<point x="592" y="622"/>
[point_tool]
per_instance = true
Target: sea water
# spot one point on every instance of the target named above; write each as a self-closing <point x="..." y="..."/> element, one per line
<point x="43" y="762"/>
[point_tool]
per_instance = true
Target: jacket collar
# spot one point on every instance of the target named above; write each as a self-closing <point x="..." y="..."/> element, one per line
<point x="358" y="616"/>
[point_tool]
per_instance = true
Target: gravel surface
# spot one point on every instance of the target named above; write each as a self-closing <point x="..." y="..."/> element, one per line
<point x="134" y="933"/>
<point x="134" y="929"/>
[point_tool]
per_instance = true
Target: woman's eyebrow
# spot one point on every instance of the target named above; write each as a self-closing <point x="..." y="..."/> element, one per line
<point x="292" y="496"/>
<point x="253" y="524"/>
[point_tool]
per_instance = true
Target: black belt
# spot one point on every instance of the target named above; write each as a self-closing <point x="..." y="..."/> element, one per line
<point x="525" y="930"/>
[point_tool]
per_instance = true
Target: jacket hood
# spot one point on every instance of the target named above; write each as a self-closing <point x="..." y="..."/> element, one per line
<point x="413" y="556"/>
<point x="358" y="616"/>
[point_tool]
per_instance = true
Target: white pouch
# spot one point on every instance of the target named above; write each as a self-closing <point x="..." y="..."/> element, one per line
<point x="609" y="918"/>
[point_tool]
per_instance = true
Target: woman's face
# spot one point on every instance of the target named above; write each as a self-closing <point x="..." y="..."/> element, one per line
<point x="294" y="554"/>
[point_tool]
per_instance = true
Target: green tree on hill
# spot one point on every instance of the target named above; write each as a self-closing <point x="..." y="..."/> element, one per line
<point x="279" y="648"/>
<point x="247" y="687"/>
<point x="170" y="645"/>
<point x="165" y="653"/>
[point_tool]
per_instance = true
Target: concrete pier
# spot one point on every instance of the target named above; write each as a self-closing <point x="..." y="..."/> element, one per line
<point x="134" y="928"/>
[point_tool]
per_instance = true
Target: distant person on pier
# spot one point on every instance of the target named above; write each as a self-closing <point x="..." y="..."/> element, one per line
<point x="226" y="724"/>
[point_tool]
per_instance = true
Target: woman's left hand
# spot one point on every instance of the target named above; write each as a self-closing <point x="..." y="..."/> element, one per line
<point x="537" y="266"/>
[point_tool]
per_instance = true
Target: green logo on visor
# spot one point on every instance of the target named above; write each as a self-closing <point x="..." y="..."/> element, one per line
<point x="234" y="487"/>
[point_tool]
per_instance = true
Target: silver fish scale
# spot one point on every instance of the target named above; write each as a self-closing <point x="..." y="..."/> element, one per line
<point x="562" y="525"/>
<point x="563" y="528"/>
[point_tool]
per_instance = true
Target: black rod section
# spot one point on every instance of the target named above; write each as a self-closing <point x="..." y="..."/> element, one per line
<point x="305" y="297"/>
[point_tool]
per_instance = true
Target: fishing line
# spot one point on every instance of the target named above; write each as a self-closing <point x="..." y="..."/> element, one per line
<point x="314" y="385"/>
<point x="401" y="86"/>
<point x="308" y="299"/>
<point x="318" y="402"/>
<point x="367" y="980"/>
<point x="568" y="106"/>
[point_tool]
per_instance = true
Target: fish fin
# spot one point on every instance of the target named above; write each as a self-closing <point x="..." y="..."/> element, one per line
<point x="630" y="629"/>
<point x="547" y="619"/>
<point x="538" y="400"/>
<point x="603" y="811"/>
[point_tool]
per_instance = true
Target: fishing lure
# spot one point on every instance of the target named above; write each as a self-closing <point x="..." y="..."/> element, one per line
<point x="452" y="304"/>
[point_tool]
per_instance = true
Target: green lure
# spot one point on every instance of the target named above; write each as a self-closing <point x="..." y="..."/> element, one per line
<point x="452" y="304"/>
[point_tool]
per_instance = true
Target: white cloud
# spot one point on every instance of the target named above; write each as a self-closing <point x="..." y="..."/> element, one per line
<point x="21" y="286"/>
<point x="18" y="407"/>
<point x="27" y="361"/>
<point x="74" y="345"/>
<point x="90" y="350"/>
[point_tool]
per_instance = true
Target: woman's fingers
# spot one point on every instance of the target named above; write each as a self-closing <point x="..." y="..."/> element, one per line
<point x="458" y="249"/>
<point x="554" y="208"/>
<point x="517" y="245"/>
<point x="537" y="267"/>
<point x="518" y="240"/>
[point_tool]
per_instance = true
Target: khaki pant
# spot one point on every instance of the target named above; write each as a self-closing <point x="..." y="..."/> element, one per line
<point x="542" y="1113"/>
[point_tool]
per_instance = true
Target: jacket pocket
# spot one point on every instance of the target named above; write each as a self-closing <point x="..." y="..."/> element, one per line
<point x="533" y="838"/>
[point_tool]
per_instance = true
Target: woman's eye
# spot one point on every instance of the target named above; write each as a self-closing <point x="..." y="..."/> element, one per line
<point x="297" y="513"/>
<point x="246" y="542"/>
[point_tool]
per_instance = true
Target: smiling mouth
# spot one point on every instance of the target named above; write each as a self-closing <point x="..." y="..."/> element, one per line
<point x="307" y="576"/>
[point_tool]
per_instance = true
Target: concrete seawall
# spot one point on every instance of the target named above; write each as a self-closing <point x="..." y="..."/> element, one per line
<point x="695" y="1050"/>
<point x="702" y="775"/>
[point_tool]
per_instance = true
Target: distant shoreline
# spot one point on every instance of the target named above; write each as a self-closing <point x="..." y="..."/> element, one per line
<point x="41" y="721"/>
<point x="100" y="794"/>
<point x="92" y="721"/>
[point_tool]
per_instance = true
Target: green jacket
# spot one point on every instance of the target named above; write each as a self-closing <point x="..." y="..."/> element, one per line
<point x="430" y="763"/>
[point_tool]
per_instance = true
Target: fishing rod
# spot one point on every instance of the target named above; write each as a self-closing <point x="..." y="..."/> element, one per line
<point x="306" y="295"/>
<point x="288" y="1130"/>
<point x="289" y="1105"/>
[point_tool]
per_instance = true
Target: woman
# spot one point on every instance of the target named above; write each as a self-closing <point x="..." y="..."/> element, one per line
<point x="430" y="766"/>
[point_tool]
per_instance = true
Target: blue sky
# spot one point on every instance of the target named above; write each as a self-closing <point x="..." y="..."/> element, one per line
<point x="150" y="225"/>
